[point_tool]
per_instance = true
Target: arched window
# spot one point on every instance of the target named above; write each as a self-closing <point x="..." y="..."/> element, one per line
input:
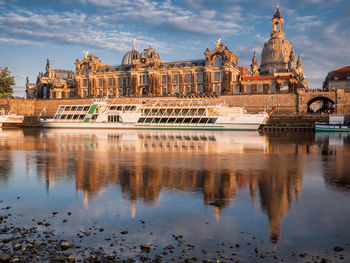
<point x="277" y="27"/>
<point x="217" y="61"/>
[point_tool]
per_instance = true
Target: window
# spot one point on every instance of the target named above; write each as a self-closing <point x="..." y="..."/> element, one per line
<point x="110" y="81"/>
<point x="164" y="91"/>
<point x="188" y="90"/>
<point x="217" y="89"/>
<point x="58" y="95"/>
<point x="101" y="82"/>
<point x="200" y="77"/>
<point x="84" y="94"/>
<point x="260" y="88"/>
<point x="217" y="61"/>
<point x="164" y="79"/>
<point x="248" y="89"/>
<point x="336" y="77"/>
<point x="237" y="89"/>
<point x="145" y="79"/>
<point x="176" y="78"/>
<point x="85" y="82"/>
<point x="217" y="76"/>
<point x="176" y="90"/>
<point x="120" y="81"/>
<point x="200" y="89"/>
<point x="348" y="77"/>
<point x="100" y="93"/>
<point x="188" y="78"/>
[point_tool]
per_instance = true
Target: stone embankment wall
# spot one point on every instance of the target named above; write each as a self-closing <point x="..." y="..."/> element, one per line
<point x="283" y="103"/>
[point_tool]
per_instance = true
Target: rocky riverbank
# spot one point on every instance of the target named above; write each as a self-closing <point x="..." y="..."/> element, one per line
<point x="41" y="242"/>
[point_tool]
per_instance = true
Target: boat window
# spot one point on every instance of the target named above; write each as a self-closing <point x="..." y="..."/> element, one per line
<point x="75" y="117"/>
<point x="133" y="108"/>
<point x="184" y="111"/>
<point x="127" y="108"/>
<point x="119" y="108"/>
<point x="63" y="117"/>
<point x="74" y="108"/>
<point x="113" y="107"/>
<point x="67" y="108"/>
<point x="86" y="108"/>
<point x="81" y="117"/>
<point x="70" y="116"/>
<point x="80" y="108"/>
<point x="94" y="117"/>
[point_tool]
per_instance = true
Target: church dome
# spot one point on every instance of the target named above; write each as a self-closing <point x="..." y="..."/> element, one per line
<point x="130" y="56"/>
<point x="150" y="53"/>
<point x="276" y="52"/>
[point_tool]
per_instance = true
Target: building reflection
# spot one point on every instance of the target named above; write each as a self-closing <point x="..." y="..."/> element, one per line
<point x="145" y="163"/>
<point x="335" y="149"/>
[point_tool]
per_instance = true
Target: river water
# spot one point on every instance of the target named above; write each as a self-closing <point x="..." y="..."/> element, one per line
<point x="230" y="195"/>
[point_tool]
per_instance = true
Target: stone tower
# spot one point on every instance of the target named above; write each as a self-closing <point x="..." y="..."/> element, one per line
<point x="254" y="67"/>
<point x="276" y="52"/>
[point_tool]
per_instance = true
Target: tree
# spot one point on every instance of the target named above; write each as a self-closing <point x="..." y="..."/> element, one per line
<point x="6" y="81"/>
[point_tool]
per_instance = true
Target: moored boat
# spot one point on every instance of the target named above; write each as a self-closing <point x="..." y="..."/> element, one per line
<point x="10" y="120"/>
<point x="155" y="114"/>
<point x="336" y="123"/>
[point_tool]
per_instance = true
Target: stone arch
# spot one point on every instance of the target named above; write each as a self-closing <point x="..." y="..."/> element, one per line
<point x="321" y="104"/>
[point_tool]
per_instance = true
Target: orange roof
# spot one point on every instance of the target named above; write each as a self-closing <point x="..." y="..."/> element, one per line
<point x="264" y="77"/>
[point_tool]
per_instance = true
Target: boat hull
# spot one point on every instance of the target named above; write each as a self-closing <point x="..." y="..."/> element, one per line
<point x="65" y="125"/>
<point x="332" y="128"/>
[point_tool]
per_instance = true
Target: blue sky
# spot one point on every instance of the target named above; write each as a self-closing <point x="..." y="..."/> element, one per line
<point x="32" y="31"/>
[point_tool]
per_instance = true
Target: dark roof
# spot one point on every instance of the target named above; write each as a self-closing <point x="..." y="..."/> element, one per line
<point x="341" y="72"/>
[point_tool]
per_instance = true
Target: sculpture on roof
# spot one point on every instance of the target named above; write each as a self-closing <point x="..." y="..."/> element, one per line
<point x="218" y="42"/>
<point x="85" y="54"/>
<point x="47" y="65"/>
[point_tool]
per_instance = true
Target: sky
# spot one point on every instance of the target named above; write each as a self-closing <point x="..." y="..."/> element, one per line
<point x="32" y="31"/>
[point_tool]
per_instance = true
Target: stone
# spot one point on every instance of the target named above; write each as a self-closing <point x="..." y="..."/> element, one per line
<point x="4" y="257"/>
<point x="64" y="245"/>
<point x="17" y="246"/>
<point x="145" y="246"/>
<point x="71" y="259"/>
<point x="338" y="248"/>
<point x="124" y="232"/>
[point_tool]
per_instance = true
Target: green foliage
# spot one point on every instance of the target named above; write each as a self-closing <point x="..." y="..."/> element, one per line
<point x="6" y="81"/>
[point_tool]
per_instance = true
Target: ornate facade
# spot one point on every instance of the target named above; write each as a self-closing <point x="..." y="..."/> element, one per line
<point x="53" y="84"/>
<point x="145" y="74"/>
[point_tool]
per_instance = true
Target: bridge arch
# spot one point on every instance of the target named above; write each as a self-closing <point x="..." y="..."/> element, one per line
<point x="321" y="104"/>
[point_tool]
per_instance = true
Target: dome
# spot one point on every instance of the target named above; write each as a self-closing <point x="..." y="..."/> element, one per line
<point x="150" y="53"/>
<point x="276" y="53"/>
<point x="130" y="56"/>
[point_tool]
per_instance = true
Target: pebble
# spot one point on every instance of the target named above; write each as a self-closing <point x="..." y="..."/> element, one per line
<point x="338" y="248"/>
<point x="4" y="257"/>
<point x="124" y="232"/>
<point x="64" y="245"/>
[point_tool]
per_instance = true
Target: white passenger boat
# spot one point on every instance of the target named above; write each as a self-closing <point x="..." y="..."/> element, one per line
<point x="10" y="120"/>
<point x="336" y="123"/>
<point x="155" y="114"/>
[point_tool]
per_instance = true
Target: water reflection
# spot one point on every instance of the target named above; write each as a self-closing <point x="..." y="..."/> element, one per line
<point x="215" y="164"/>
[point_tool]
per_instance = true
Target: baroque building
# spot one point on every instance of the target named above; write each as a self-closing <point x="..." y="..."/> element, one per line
<point x="145" y="74"/>
<point x="53" y="84"/>
<point x="278" y="72"/>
